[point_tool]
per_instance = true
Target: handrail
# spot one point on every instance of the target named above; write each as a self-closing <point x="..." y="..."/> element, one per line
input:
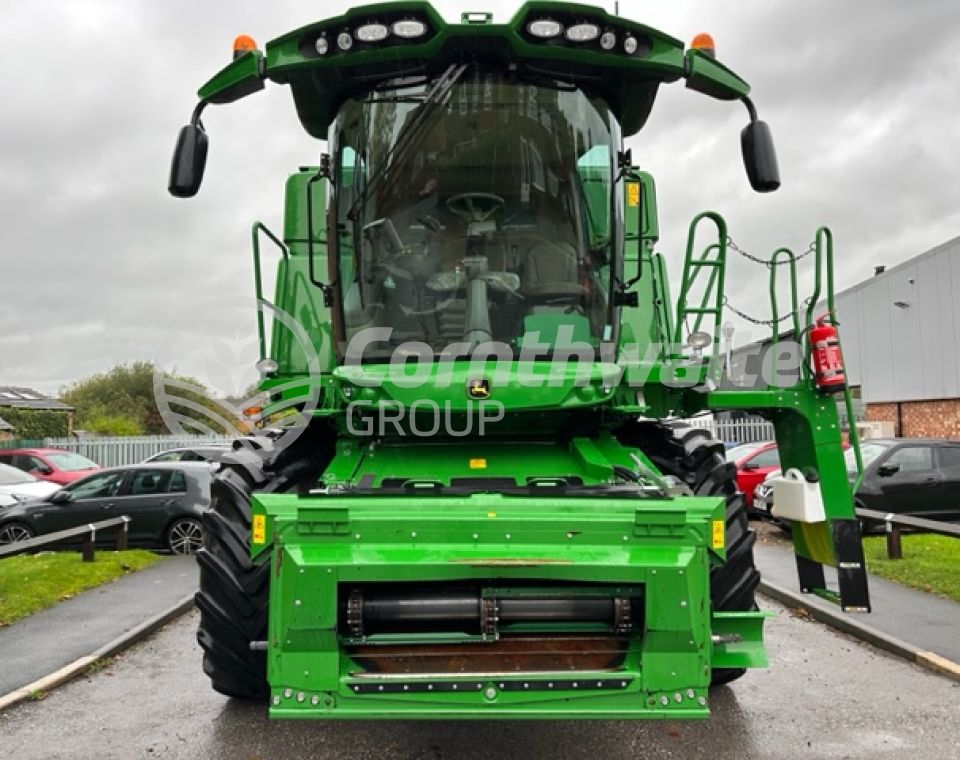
<point x="794" y="303"/>
<point x="89" y="530"/>
<point x="823" y="247"/>
<point x="259" y="227"/>
<point x="689" y="275"/>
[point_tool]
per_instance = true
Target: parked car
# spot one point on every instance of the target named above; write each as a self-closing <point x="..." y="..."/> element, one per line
<point x="915" y="476"/>
<point x="17" y="486"/>
<point x="754" y="462"/>
<point x="53" y="465"/>
<point x="164" y="503"/>
<point x="212" y="453"/>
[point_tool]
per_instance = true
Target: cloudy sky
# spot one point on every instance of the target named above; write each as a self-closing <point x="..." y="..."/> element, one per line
<point x="99" y="265"/>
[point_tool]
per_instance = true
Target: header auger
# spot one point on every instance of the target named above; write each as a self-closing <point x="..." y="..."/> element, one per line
<point x="488" y="508"/>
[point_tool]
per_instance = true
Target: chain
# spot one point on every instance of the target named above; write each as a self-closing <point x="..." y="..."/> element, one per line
<point x="765" y="262"/>
<point x="759" y="322"/>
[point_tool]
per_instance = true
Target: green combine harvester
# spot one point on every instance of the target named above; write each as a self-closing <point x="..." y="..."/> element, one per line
<point x="489" y="507"/>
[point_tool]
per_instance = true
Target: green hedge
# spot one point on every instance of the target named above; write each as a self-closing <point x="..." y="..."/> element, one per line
<point x="36" y="423"/>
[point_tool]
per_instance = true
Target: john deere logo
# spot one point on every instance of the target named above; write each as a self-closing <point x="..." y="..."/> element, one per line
<point x="478" y="388"/>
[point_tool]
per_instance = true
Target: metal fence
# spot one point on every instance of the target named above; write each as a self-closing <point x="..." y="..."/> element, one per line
<point x="119" y="451"/>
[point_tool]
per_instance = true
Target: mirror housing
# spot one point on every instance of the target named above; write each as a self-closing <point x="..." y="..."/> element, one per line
<point x="61" y="497"/>
<point x="760" y="156"/>
<point x="189" y="160"/>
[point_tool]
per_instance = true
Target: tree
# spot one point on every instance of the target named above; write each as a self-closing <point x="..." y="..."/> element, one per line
<point x="123" y="402"/>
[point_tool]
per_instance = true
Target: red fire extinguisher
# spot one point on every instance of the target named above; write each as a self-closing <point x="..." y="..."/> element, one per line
<point x="828" y="370"/>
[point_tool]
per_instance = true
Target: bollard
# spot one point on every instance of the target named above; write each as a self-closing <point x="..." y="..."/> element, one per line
<point x="122" y="536"/>
<point x="88" y="544"/>
<point x="894" y="546"/>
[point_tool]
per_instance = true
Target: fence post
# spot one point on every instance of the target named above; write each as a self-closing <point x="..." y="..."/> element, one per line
<point x="894" y="545"/>
<point x="89" y="553"/>
<point x="122" y="535"/>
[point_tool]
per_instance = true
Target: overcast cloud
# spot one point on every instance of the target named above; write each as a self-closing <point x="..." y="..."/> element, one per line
<point x="100" y="265"/>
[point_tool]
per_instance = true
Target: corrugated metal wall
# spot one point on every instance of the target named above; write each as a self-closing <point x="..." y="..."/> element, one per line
<point x="901" y="330"/>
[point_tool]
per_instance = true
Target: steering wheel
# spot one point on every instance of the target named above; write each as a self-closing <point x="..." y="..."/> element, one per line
<point x="475" y="207"/>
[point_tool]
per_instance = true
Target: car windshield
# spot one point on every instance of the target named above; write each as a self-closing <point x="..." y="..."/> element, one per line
<point x="70" y="462"/>
<point x="11" y="476"/>
<point x="737" y="453"/>
<point x="869" y="451"/>
<point x="482" y="214"/>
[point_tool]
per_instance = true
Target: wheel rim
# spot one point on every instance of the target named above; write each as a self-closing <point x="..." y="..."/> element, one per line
<point x="185" y="537"/>
<point x="10" y="534"/>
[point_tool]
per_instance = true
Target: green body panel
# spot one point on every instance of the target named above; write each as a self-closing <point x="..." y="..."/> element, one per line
<point x="326" y="544"/>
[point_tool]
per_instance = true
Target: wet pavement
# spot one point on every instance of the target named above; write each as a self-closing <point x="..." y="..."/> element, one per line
<point x="52" y="638"/>
<point x="927" y="621"/>
<point x="825" y="696"/>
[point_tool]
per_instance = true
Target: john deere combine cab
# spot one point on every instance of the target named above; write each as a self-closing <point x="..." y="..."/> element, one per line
<point x="487" y="507"/>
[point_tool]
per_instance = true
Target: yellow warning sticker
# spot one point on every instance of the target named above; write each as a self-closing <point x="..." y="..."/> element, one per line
<point x="478" y="464"/>
<point x="717" y="536"/>
<point x="259" y="529"/>
<point x="633" y="194"/>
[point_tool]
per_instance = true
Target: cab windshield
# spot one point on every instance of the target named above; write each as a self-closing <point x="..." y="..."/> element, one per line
<point x="476" y="210"/>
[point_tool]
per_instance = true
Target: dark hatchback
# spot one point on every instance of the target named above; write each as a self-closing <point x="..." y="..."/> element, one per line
<point x="165" y="504"/>
<point x="915" y="476"/>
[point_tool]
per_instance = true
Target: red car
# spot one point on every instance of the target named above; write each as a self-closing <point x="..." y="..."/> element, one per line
<point x="53" y="465"/>
<point x="754" y="462"/>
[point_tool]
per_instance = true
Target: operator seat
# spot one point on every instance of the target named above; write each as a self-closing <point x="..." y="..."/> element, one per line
<point x="551" y="269"/>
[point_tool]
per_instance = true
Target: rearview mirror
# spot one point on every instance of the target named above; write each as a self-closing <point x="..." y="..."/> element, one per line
<point x="189" y="160"/>
<point x="760" y="156"/>
<point x="61" y="497"/>
<point x="886" y="470"/>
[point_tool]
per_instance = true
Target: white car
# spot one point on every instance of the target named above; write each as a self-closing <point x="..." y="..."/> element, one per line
<point x="17" y="486"/>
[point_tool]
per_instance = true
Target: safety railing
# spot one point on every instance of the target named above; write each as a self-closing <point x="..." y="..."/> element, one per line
<point x="88" y="532"/>
<point x="714" y="259"/>
<point x="894" y="525"/>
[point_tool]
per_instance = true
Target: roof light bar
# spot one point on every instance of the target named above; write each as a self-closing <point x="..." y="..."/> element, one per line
<point x="372" y="33"/>
<point x="409" y="29"/>
<point x="583" y="32"/>
<point x="545" y="28"/>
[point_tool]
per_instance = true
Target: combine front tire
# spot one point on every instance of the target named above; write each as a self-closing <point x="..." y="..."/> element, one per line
<point x="697" y="459"/>
<point x="233" y="589"/>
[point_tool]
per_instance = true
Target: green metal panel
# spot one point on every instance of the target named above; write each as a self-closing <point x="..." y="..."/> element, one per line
<point x="326" y="544"/>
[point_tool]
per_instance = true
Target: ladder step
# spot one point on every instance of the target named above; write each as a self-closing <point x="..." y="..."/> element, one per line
<point x="705" y="263"/>
<point x="698" y="310"/>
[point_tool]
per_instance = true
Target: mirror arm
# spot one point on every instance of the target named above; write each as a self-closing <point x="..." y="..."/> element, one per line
<point x="197" y="111"/>
<point x="751" y="108"/>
